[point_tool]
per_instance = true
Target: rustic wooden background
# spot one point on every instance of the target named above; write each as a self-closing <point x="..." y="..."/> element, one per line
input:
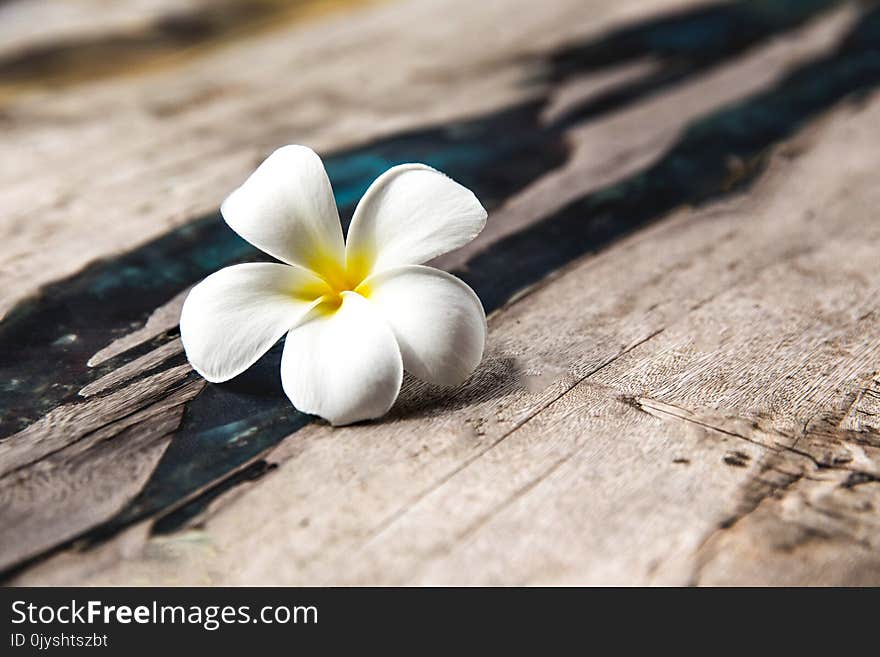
<point x="682" y="264"/>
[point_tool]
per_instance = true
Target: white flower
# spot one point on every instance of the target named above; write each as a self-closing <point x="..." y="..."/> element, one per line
<point x="356" y="314"/>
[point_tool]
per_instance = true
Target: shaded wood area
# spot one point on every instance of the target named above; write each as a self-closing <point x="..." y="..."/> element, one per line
<point x="681" y="265"/>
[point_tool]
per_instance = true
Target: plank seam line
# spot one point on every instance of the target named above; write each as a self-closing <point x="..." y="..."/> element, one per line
<point x="508" y="501"/>
<point x="791" y="478"/>
<point x="528" y="487"/>
<point x="393" y="518"/>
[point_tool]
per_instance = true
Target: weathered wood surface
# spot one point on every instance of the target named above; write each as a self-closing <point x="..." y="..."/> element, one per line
<point x="683" y="263"/>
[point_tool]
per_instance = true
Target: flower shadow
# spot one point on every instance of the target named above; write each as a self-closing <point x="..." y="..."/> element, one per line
<point x="496" y="377"/>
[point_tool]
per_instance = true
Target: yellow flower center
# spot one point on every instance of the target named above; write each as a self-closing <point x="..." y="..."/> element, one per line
<point x="339" y="278"/>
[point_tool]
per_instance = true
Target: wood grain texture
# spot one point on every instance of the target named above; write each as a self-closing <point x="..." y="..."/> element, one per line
<point x="135" y="140"/>
<point x="681" y="384"/>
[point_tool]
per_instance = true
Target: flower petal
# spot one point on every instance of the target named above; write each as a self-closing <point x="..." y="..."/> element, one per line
<point x="410" y="214"/>
<point x="342" y="364"/>
<point x="438" y="321"/>
<point x="286" y="208"/>
<point x="235" y="315"/>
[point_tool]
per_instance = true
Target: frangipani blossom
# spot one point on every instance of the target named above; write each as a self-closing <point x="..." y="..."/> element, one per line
<point x="356" y="314"/>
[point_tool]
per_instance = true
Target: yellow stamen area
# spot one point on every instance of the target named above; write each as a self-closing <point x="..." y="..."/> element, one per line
<point x="329" y="304"/>
<point x="338" y="278"/>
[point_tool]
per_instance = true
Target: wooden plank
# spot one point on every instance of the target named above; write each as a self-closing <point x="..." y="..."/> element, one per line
<point x="82" y="463"/>
<point x="43" y="504"/>
<point x="644" y="439"/>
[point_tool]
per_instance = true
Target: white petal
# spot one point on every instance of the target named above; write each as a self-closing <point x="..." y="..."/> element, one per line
<point x="286" y="208"/>
<point x="235" y="315"/>
<point x="410" y="214"/>
<point x="438" y="321"/>
<point x="344" y="365"/>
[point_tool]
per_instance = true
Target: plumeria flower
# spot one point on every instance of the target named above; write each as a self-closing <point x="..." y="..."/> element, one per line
<point x="356" y="314"/>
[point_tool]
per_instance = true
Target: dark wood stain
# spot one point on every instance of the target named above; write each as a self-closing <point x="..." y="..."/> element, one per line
<point x="165" y="40"/>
